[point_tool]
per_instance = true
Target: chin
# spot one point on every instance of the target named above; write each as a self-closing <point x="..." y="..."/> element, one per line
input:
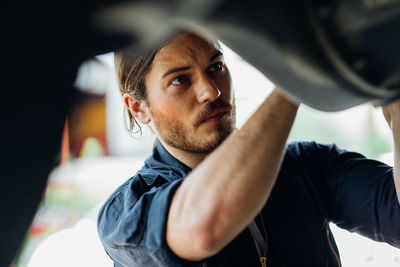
<point x="202" y="140"/>
<point x="212" y="141"/>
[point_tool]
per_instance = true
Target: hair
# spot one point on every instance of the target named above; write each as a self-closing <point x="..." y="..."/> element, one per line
<point x="131" y="69"/>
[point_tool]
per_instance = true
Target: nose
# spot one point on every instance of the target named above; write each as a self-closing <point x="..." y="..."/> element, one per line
<point x="206" y="89"/>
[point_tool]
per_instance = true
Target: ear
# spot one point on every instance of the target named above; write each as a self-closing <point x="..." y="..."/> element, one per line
<point x="137" y="108"/>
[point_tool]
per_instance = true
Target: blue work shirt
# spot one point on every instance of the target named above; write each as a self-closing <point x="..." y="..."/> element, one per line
<point x="316" y="184"/>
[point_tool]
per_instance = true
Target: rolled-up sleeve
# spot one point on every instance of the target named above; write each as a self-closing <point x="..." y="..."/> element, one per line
<point x="132" y="224"/>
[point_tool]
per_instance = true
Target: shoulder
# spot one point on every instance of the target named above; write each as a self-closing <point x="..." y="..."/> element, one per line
<point x="145" y="181"/>
<point x="130" y="201"/>
<point x="314" y="150"/>
<point x="317" y="156"/>
<point x="305" y="147"/>
<point x="134" y="213"/>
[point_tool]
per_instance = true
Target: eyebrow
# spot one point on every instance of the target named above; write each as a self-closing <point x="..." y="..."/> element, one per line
<point x="175" y="70"/>
<point x="217" y="54"/>
<point x="168" y="72"/>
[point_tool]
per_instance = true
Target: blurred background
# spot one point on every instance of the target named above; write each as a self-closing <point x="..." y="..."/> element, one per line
<point x="97" y="155"/>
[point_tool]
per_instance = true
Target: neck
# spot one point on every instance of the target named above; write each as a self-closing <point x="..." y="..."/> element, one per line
<point x="190" y="159"/>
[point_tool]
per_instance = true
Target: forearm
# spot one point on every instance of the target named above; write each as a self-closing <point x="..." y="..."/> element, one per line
<point x="226" y="191"/>
<point x="396" y="141"/>
<point x="391" y="112"/>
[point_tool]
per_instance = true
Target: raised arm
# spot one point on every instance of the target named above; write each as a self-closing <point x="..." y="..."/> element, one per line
<point x="392" y="116"/>
<point x="226" y="191"/>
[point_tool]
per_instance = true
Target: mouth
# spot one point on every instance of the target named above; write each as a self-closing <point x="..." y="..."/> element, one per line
<point x="215" y="116"/>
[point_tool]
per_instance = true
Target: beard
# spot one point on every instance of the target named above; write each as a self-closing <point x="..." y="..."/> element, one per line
<point x="177" y="135"/>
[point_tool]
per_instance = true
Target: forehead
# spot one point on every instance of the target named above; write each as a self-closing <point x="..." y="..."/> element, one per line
<point x="183" y="49"/>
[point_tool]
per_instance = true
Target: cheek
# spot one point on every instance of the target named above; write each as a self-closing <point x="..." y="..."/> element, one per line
<point x="176" y="108"/>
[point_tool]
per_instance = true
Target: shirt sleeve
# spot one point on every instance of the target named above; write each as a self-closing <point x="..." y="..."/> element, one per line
<point x="132" y="224"/>
<point x="362" y="196"/>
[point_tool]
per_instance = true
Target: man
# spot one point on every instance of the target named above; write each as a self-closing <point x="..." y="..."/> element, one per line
<point x="204" y="184"/>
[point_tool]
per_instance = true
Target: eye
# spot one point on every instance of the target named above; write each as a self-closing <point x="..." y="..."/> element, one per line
<point x="217" y="66"/>
<point x="179" y="80"/>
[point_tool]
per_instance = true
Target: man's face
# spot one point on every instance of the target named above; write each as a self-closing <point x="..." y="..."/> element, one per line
<point x="189" y="95"/>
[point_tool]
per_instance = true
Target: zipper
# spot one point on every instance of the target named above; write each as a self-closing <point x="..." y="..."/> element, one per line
<point x="263" y="261"/>
<point x="259" y="241"/>
<point x="326" y="225"/>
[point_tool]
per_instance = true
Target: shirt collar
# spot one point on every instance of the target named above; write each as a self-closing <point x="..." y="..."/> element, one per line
<point x="162" y="155"/>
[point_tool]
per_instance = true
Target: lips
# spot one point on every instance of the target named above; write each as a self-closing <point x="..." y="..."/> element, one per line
<point x="216" y="115"/>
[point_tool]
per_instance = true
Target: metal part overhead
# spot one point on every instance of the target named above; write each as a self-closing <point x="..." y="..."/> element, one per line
<point x="330" y="55"/>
